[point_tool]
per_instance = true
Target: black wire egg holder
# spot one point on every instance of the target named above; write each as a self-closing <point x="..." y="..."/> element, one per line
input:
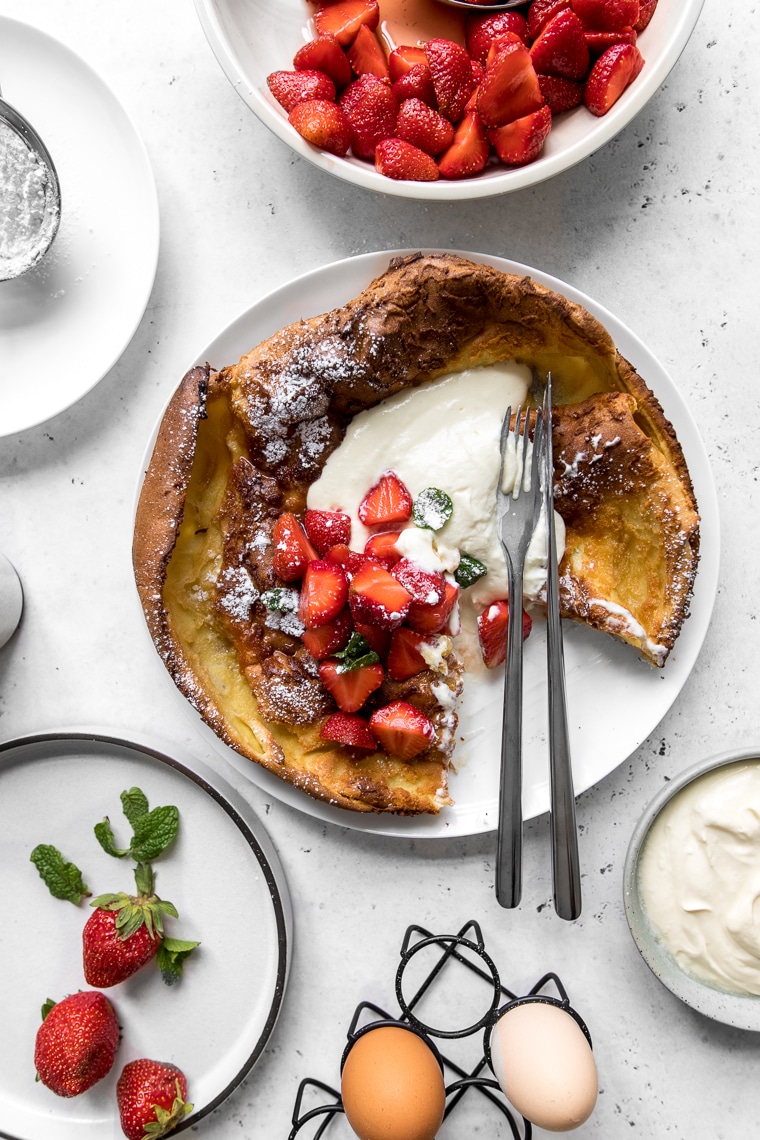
<point x="452" y="945"/>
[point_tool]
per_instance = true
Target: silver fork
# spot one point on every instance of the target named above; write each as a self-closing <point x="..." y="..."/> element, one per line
<point x="518" y="504"/>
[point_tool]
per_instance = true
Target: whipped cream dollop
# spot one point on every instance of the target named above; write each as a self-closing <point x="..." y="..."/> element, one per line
<point x="699" y="877"/>
<point x="443" y="434"/>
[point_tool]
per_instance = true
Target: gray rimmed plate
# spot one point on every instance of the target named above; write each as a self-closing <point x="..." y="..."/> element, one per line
<point x="739" y="1010"/>
<point x="223" y="875"/>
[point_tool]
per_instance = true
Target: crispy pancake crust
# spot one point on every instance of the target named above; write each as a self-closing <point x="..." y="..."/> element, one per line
<point x="238" y="447"/>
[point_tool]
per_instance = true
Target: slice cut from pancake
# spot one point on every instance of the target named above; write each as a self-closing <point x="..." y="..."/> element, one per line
<point x="238" y="447"/>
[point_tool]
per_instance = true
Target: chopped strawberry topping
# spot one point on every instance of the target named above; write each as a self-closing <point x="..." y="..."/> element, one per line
<point x="376" y="598"/>
<point x="561" y="49"/>
<point x="492" y="632"/>
<point x="388" y="501"/>
<point x="377" y="639"/>
<point x="371" y="108"/>
<point x="417" y="83"/>
<point x="324" y="592"/>
<point x="349" y="730"/>
<point x="292" y="550"/>
<point x="432" y="619"/>
<point x="402" y="59"/>
<point x="606" y="15"/>
<point x="343" y="18"/>
<point x="560" y="94"/>
<point x="428" y="587"/>
<point x="453" y="80"/>
<point x="350" y="687"/>
<point x="401" y="729"/>
<point x="324" y="640"/>
<point x="521" y="141"/>
<point x="382" y="547"/>
<point x="404" y="657"/>
<point x="423" y="127"/>
<point x="327" y="529"/>
<point x="469" y="152"/>
<point x="481" y="31"/>
<point x="541" y="12"/>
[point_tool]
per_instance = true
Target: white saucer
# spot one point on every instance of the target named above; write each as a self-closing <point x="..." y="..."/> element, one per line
<point x="68" y="320"/>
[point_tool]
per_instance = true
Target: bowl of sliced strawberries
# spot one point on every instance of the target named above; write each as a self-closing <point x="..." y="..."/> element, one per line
<point x="421" y="100"/>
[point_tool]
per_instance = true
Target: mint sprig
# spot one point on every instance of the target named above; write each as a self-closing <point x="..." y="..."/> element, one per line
<point x="64" y="880"/>
<point x="152" y="831"/>
<point x="171" y="957"/>
<point x="432" y="509"/>
<point x="355" y="654"/>
<point x="469" y="571"/>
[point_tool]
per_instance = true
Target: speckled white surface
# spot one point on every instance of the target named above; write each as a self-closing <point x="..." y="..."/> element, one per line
<point x="661" y="227"/>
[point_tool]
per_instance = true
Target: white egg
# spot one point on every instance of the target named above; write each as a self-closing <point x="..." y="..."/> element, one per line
<point x="544" y="1064"/>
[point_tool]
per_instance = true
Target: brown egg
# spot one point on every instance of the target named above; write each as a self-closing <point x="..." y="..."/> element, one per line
<point x="543" y="1062"/>
<point x="392" y="1086"/>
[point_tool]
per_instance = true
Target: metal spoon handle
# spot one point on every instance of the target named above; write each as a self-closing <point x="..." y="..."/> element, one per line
<point x="509" y="836"/>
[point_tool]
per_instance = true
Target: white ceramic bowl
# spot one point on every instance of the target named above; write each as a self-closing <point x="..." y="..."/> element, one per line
<point x="742" y="1011"/>
<point x="252" y="38"/>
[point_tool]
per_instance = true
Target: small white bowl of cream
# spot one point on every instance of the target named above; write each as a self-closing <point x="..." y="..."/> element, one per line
<point x="692" y="887"/>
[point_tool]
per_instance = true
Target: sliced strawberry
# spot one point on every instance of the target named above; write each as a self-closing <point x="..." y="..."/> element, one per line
<point x="646" y="11"/>
<point x="432" y="619"/>
<point x="404" y="657"/>
<point x="470" y="150"/>
<point x="377" y="639"/>
<point x="404" y="162"/>
<point x="293" y="87"/>
<point x="417" y="83"/>
<point x="510" y="88"/>
<point x="323" y="125"/>
<point x="327" y="529"/>
<point x="366" y="54"/>
<point x="403" y="58"/>
<point x="561" y="49"/>
<point x="348" y="729"/>
<point x="292" y="550"/>
<point x="521" y="141"/>
<point x="324" y="54"/>
<point x="401" y="729"/>
<point x="453" y="80"/>
<point x="599" y="41"/>
<point x="376" y="598"/>
<point x="382" y="546"/>
<point x="615" y="69"/>
<point x="324" y="640"/>
<point x="539" y="14"/>
<point x="481" y="31"/>
<point x="560" y="94"/>
<point x="350" y="687"/>
<point x="324" y="592"/>
<point x="492" y="632"/>
<point x="371" y="108"/>
<point x="388" y="501"/>
<point x="343" y="18"/>
<point x="428" y="587"/>
<point x="606" y="15"/>
<point x="423" y="127"/>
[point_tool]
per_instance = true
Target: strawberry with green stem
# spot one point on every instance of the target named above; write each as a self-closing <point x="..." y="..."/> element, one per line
<point x="152" y="1098"/>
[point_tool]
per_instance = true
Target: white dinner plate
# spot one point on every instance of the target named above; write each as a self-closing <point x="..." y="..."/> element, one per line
<point x="252" y="38"/>
<point x="67" y="321"/>
<point x="614" y="698"/>
<point x="53" y="789"/>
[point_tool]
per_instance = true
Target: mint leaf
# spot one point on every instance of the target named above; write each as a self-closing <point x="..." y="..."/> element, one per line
<point x="63" y="880"/>
<point x="469" y="571"/>
<point x="355" y="654"/>
<point x="134" y="804"/>
<point x="153" y="833"/>
<point x="280" y="600"/>
<point x="104" y="836"/>
<point x="432" y="508"/>
<point x="171" y="956"/>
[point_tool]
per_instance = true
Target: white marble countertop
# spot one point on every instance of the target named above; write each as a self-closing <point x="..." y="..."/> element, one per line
<point x="660" y="226"/>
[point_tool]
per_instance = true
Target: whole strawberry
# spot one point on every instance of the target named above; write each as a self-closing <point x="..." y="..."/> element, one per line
<point x="76" y="1043"/>
<point x="151" y="1098"/>
<point x="124" y="932"/>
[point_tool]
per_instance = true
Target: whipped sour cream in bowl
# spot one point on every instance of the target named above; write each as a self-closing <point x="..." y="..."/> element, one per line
<point x="692" y="887"/>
